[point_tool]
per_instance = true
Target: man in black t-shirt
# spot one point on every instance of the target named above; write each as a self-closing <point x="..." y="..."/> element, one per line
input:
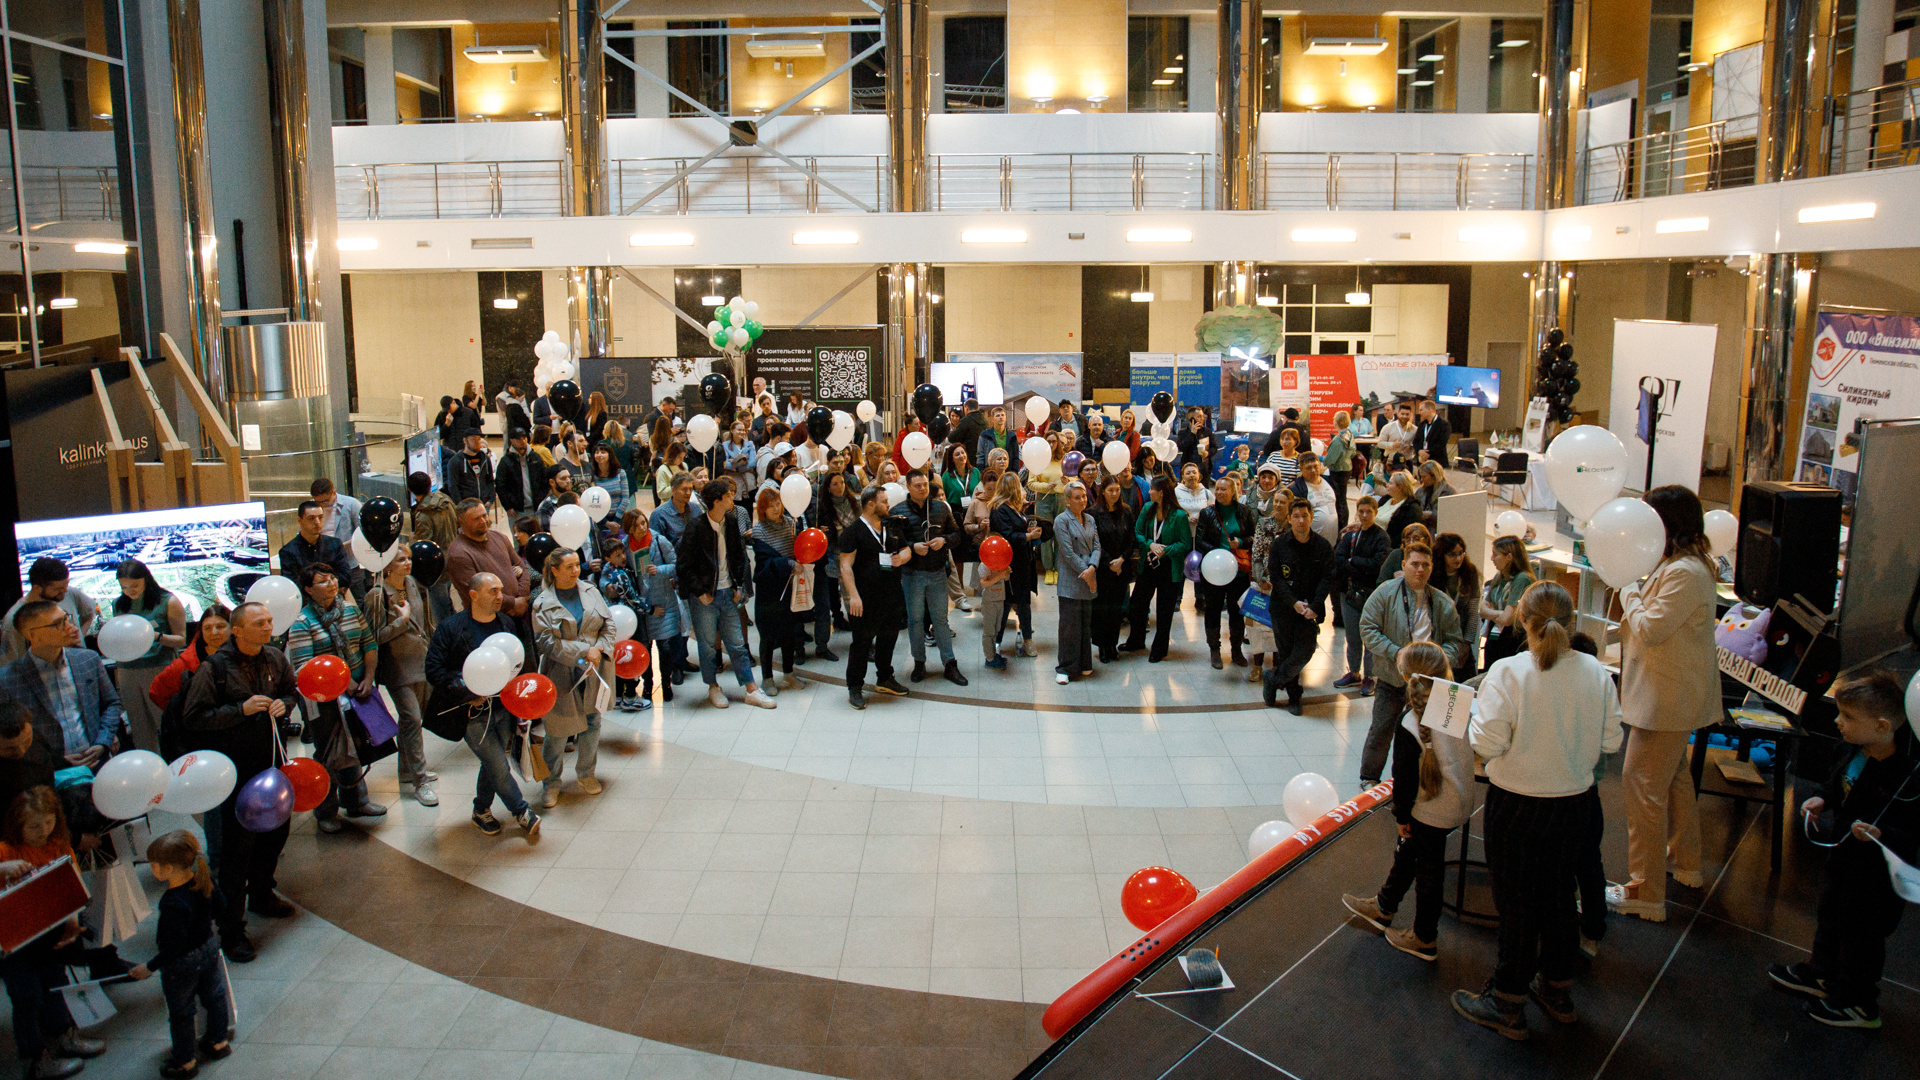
<point x="871" y="557"/>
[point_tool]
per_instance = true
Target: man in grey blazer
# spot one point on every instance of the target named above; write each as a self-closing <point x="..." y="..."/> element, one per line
<point x="66" y="688"/>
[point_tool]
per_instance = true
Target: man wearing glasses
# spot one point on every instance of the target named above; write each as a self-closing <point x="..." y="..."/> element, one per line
<point x="65" y="687"/>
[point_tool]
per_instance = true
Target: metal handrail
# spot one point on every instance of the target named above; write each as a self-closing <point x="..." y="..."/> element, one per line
<point x="1876" y="127"/>
<point x="1395" y="180"/>
<point x="1667" y="163"/>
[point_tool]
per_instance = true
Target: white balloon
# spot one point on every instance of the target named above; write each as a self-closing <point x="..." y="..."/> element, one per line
<point x="866" y="411"/>
<point x="702" y="432"/>
<point x="753" y="309"/>
<point x="1511" y="523"/>
<point x="737" y="304"/>
<point x="714" y="327"/>
<point x="281" y="597"/>
<point x="130" y="784"/>
<point x="1219" y="567"/>
<point x="1114" y="456"/>
<point x="1723" y="532"/>
<point x="1165" y="450"/>
<point x="125" y="637"/>
<point x="917" y="448"/>
<point x="896" y="494"/>
<point x="1913" y="702"/>
<point x="487" y="671"/>
<point x="739" y="337"/>
<point x="1307" y="796"/>
<point x="796" y="493"/>
<point x="1266" y="836"/>
<point x="1625" y="541"/>
<point x="737" y="316"/>
<point x="597" y="502"/>
<point x="1038" y="410"/>
<point x="843" y="428"/>
<point x="198" y="782"/>
<point x="1586" y="466"/>
<point x="625" y="622"/>
<point x="1035" y="454"/>
<point x="550" y="347"/>
<point x="370" y="560"/>
<point x="511" y="647"/>
<point x="570" y="527"/>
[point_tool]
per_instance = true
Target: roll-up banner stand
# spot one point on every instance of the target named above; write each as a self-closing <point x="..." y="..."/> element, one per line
<point x="1676" y="360"/>
<point x="1053" y="376"/>
<point x="1149" y="373"/>
<point x="626" y="382"/>
<point x="1866" y="366"/>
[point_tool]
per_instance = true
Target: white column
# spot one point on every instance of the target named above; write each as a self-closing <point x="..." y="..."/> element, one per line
<point x="649" y="97"/>
<point x="936" y="63"/>
<point x="1872" y="22"/>
<point x="383" y="107"/>
<point x="1203" y="42"/>
<point x="1470" y="64"/>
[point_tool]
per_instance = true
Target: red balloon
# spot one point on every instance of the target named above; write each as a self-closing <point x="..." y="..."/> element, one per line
<point x="324" y="678"/>
<point x="995" y="553"/>
<point x="810" y="545"/>
<point x="1153" y="894"/>
<point x="631" y="659"/>
<point x="529" y="697"/>
<point x="310" y="782"/>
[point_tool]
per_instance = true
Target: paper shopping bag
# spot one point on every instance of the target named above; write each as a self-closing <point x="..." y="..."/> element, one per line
<point x="118" y="905"/>
<point x="802" y="590"/>
<point x="1905" y="878"/>
<point x="528" y="760"/>
<point x="1449" y="708"/>
<point x="88" y="1003"/>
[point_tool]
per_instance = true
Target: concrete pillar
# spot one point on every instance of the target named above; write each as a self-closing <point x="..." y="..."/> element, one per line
<point x="1872" y="22"/>
<point x="383" y="106"/>
<point x="1471" y="61"/>
<point x="1203" y="60"/>
<point x="1239" y="83"/>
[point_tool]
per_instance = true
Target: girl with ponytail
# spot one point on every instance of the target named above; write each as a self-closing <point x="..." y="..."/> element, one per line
<point x="1432" y="796"/>
<point x="189" y="957"/>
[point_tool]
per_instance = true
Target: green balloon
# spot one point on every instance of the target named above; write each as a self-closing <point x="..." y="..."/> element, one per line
<point x="722" y="314"/>
<point x="720" y="340"/>
<point x="754" y="329"/>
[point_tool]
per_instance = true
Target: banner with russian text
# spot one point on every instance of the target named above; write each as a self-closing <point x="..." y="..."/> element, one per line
<point x="1369" y="382"/>
<point x="1149" y="373"/>
<point x="1865" y="367"/>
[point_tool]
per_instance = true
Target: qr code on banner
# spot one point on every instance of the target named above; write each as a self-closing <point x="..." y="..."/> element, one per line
<point x="842" y="374"/>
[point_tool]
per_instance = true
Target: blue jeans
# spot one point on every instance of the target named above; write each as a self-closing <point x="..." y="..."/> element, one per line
<point x="710" y="621"/>
<point x="926" y="592"/>
<point x="1359" y="660"/>
<point x="195" y="977"/>
<point x="487" y="738"/>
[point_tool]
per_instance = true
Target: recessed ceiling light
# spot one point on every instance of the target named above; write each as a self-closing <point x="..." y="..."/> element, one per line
<point x="1324" y="236"/>
<point x="505" y="303"/>
<point x="1174" y="70"/>
<point x="1680" y="225"/>
<point x="63" y="302"/>
<point x="1514" y="43"/>
<point x="712" y="301"/>
<point x="1338" y="46"/>
<point x="826" y="236"/>
<point x="1267" y="301"/>
<point x="1406" y="71"/>
<point x="1159" y="236"/>
<point x="671" y="239"/>
<point x="1140" y="296"/>
<point x="356" y="243"/>
<point x="1814" y="215"/>
<point x="1430" y="58"/>
<point x="993" y="236"/>
<point x="99" y="247"/>
<point x="1423" y="82"/>
<point x="1163" y="82"/>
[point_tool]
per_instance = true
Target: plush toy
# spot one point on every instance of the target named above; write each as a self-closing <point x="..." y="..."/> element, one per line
<point x="1742" y="631"/>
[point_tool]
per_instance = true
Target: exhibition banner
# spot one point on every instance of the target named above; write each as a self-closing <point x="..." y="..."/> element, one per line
<point x="1292" y="388"/>
<point x="1342" y="382"/>
<point x="835" y="366"/>
<point x="1196" y="381"/>
<point x="1674" y="360"/>
<point x="1054" y="376"/>
<point x="1149" y="373"/>
<point x="628" y="382"/>
<point x="1865" y="367"/>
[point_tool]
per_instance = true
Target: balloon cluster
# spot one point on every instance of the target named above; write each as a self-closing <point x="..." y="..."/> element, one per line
<point x="734" y="325"/>
<point x="1625" y="538"/>
<point x="554" y="362"/>
<point x="716" y="393"/>
<point x="377" y="540"/>
<point x="1558" y="376"/>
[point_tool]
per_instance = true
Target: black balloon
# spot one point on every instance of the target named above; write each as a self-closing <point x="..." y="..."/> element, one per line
<point x="539" y="546"/>
<point x="716" y="390"/>
<point x="819" y="424"/>
<point x="939" y="427"/>
<point x="1565" y="351"/>
<point x="429" y="562"/>
<point x="1162" y="406"/>
<point x="380" y="522"/>
<point x="1571" y="386"/>
<point x="926" y="402"/>
<point x="564" y="396"/>
<point x="1555" y="337"/>
<point x="1562" y="370"/>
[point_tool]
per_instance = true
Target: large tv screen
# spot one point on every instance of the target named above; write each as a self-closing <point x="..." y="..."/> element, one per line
<point x="1475" y="386"/>
<point x="202" y="554"/>
<point x="960" y="381"/>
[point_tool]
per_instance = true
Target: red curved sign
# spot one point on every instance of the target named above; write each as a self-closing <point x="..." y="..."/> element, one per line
<point x="1086" y="995"/>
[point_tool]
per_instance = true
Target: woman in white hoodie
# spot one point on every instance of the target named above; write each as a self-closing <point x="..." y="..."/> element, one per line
<point x="1543" y="719"/>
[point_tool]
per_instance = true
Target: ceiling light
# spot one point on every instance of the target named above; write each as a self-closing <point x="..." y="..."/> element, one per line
<point x="1067" y="111"/>
<point x="1324" y="236"/>
<point x="1159" y="236"/>
<point x="1430" y="58"/>
<point x="99" y="247"/>
<point x="1423" y="82"/>
<point x="1406" y="71"/>
<point x="769" y="47"/>
<point x="1267" y="301"/>
<point x="505" y="303"/>
<point x="667" y="239"/>
<point x="1359" y="299"/>
<point x="1513" y="43"/>
<point x="1698" y="66"/>
<point x="712" y="301"/>
<point x="1339" y="46"/>
<point x="1492" y="234"/>
<point x="826" y="236"/>
<point x="352" y="243"/>
<point x="1680" y="225"/>
<point x="1163" y="82"/>
<point x="1174" y="70"/>
<point x="1140" y="296"/>
<point x="1096" y="99"/>
<point x="505" y="54"/>
<point x="63" y="302"/>
<point x="1042" y="100"/>
<point x="1814" y="215"/>
<point x="993" y="236"/>
<point x="1573" y="234"/>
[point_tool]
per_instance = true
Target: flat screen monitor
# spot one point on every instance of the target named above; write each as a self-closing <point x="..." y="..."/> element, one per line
<point x="202" y="554"/>
<point x="958" y="382"/>
<point x="1252" y="421"/>
<point x="1478" y="387"/>
<point x="423" y="455"/>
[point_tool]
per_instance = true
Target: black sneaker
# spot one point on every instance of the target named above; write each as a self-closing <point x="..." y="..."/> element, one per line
<point x="1849" y="1016"/>
<point x="1797" y="978"/>
<point x="487" y="823"/>
<point x="271" y="906"/>
<point x="1490" y="1008"/>
<point x="953" y="673"/>
<point x="856" y="699"/>
<point x="210" y="1052"/>
<point x="238" y="949"/>
<point x="1555" y="1000"/>
<point x="919" y="671"/>
<point x="890" y="685"/>
<point x="179" y="1070"/>
<point x="827" y="654"/>
<point x="529" y="822"/>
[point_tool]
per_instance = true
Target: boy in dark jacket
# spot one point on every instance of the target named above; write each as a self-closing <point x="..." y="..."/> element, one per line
<point x="1300" y="566"/>
<point x="1871" y="799"/>
<point x="1357" y="557"/>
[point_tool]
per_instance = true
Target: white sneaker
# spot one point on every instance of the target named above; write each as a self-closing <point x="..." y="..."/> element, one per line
<point x="1060" y="677"/>
<point x="588" y="785"/>
<point x="423" y="793"/>
<point x="790" y="681"/>
<point x="716" y="698"/>
<point x="1618" y="900"/>
<point x="759" y="699"/>
<point x="550" y="798"/>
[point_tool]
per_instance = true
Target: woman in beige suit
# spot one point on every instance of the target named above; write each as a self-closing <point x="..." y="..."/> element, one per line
<point x="1669" y="688"/>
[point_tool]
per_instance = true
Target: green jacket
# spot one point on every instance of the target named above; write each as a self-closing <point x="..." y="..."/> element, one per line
<point x="1176" y="536"/>
<point x="1384" y="628"/>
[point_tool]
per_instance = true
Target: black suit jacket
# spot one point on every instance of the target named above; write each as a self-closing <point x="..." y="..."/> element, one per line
<point x="700" y="557"/>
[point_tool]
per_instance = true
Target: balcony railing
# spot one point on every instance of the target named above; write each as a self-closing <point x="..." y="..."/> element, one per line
<point x="1156" y="181"/>
<point x="1874" y="128"/>
<point x="748" y="184"/>
<point x="450" y="189"/>
<point x="1378" y="180"/>
<point x="55" y="193"/>
<point x="1706" y="157"/>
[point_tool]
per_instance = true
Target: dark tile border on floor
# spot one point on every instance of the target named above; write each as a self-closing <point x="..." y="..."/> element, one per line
<point x="853" y="1030"/>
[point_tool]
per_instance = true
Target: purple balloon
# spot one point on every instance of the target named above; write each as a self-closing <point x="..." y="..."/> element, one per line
<point x="1193" y="566"/>
<point x="265" y="802"/>
<point x="1070" y="465"/>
